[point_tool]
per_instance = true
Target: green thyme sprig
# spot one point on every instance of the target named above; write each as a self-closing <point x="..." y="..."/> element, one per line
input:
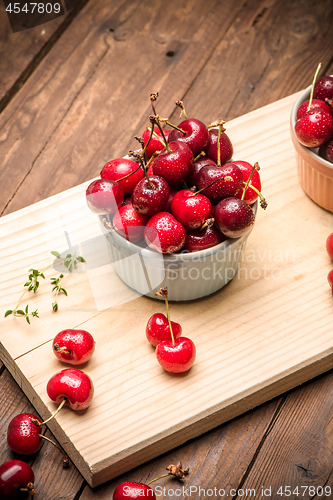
<point x="70" y="261"/>
<point x="22" y="314"/>
<point x="58" y="289"/>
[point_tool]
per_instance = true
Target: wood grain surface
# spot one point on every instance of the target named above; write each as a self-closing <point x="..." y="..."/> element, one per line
<point x="257" y="359"/>
<point x="266" y="50"/>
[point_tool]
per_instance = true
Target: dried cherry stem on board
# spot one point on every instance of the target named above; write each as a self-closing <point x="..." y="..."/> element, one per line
<point x="163" y="292"/>
<point x="65" y="460"/>
<point x="174" y="470"/>
<point x="30" y="488"/>
<point x="39" y="424"/>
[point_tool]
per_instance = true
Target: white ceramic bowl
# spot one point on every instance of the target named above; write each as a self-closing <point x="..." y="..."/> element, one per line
<point x="188" y="276"/>
<point x="315" y="173"/>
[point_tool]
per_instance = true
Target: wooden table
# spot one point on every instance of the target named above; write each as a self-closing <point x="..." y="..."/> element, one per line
<point x="73" y="93"/>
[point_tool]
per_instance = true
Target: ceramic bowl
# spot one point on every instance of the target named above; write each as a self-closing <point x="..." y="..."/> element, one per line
<point x="315" y="173"/>
<point x="188" y="276"/>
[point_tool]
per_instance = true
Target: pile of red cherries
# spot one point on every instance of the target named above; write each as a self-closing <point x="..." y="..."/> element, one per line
<point x="314" y="125"/>
<point x="181" y="191"/>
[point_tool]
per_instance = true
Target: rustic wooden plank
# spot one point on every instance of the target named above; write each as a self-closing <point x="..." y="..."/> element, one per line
<point x="299" y="446"/>
<point x="90" y="95"/>
<point x="216" y="460"/>
<point x="51" y="480"/>
<point x="270" y="51"/>
<point x="262" y="354"/>
<point x="17" y="50"/>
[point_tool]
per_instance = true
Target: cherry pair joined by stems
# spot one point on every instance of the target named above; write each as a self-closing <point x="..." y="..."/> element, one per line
<point x="174" y="353"/>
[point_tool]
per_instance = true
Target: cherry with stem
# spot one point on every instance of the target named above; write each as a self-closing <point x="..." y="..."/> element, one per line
<point x="263" y="202"/>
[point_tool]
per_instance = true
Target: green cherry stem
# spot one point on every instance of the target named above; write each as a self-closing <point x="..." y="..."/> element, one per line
<point x="39" y="424"/>
<point x="155" y="120"/>
<point x="128" y="175"/>
<point x="151" y="135"/>
<point x="313" y="84"/>
<point x="200" y="155"/>
<point x="158" y="137"/>
<point x="227" y="178"/>
<point x="174" y="126"/>
<point x="218" y="146"/>
<point x="255" y="167"/>
<point x="263" y="202"/>
<point x="157" y="478"/>
<point x="163" y="292"/>
<point x="180" y="105"/>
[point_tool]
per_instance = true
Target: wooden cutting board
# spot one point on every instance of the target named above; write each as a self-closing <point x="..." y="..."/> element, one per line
<point x="264" y="333"/>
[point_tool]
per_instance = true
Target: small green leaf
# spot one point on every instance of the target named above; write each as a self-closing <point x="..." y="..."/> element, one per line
<point x="20" y="312"/>
<point x="7" y="313"/>
<point x="54" y="288"/>
<point x="64" y="291"/>
<point x="27" y="283"/>
<point x="35" y="272"/>
<point x="35" y="313"/>
<point x="30" y="288"/>
<point x="54" y="306"/>
<point x="28" y="320"/>
<point x="81" y="259"/>
<point x="55" y="253"/>
<point x="42" y="275"/>
<point x="26" y="309"/>
<point x="60" y="276"/>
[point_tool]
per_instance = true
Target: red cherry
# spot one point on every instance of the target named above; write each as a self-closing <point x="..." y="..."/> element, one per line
<point x="206" y="238"/>
<point x="129" y="224"/>
<point x="190" y="209"/>
<point x="72" y="385"/>
<point x="316" y="103"/>
<point x="104" y="196"/>
<point x="329" y="245"/>
<point x="323" y="88"/>
<point x="23" y="434"/>
<point x="164" y="233"/>
<point x="131" y="490"/>
<point x="174" y="164"/>
<point x="233" y="217"/>
<point x="150" y="196"/>
<point x="193" y="178"/>
<point x="314" y="128"/>
<point x="246" y="168"/>
<point x="223" y="188"/>
<point x="158" y="329"/>
<point x="120" y="167"/>
<point x="15" y="478"/>
<point x="226" y="148"/>
<point x="177" y="357"/>
<point x="73" y="346"/>
<point x="326" y="151"/>
<point x="196" y="137"/>
<point x="154" y="144"/>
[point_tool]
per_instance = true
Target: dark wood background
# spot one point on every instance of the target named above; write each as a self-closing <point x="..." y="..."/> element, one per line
<point x="73" y="92"/>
